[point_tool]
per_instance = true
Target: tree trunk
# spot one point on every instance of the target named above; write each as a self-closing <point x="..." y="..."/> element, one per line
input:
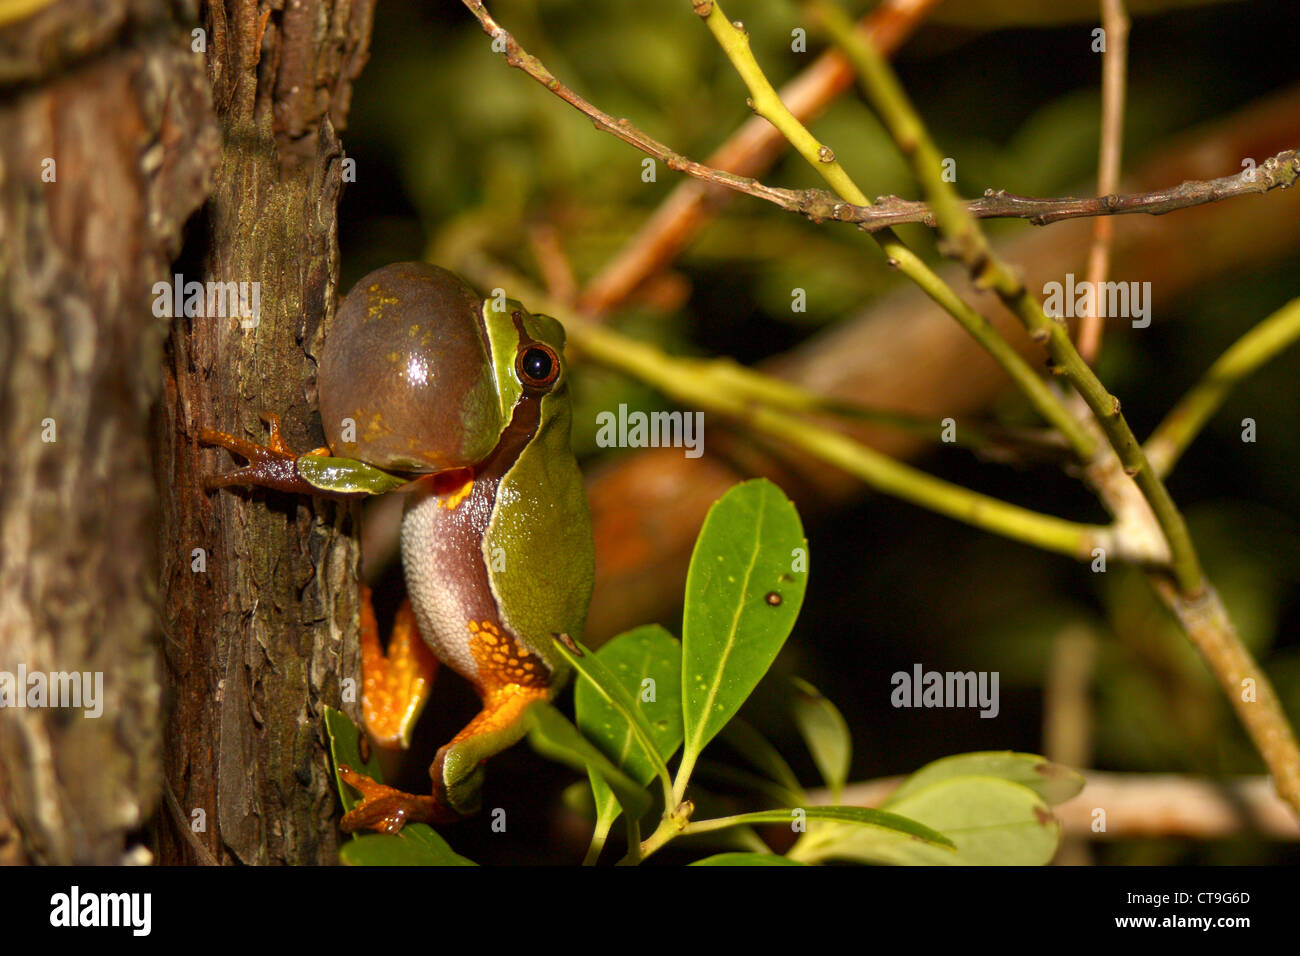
<point x="258" y="642"/>
<point x="106" y="148"/>
<point x="222" y="732"/>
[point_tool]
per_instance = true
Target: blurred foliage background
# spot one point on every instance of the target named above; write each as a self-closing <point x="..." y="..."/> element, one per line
<point x="456" y="151"/>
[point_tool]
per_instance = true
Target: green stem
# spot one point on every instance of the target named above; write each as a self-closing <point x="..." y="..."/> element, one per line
<point x="766" y="102"/>
<point x="966" y="241"/>
<point x="671" y="826"/>
<point x="1185" y="421"/>
<point x="681" y="380"/>
<point x="881" y="472"/>
<point x="598" y="837"/>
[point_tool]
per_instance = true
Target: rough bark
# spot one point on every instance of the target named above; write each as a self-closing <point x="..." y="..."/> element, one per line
<point x="111" y="93"/>
<point x="259" y="642"/>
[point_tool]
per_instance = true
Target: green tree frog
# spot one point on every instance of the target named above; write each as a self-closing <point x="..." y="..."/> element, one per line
<point x="463" y="403"/>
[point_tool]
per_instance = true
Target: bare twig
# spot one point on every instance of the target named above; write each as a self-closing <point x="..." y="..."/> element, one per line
<point x="1276" y="172"/>
<point x="1114" y="21"/>
<point x="749" y="151"/>
<point x="768" y="104"/>
<point x="1244" y="683"/>
<point x="820" y="205"/>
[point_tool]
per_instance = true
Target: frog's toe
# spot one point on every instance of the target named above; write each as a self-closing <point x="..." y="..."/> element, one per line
<point x="387" y="809"/>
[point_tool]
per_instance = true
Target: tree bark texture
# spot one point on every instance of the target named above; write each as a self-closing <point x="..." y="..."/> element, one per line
<point x="218" y="739"/>
<point x="259" y="642"/>
<point x="106" y="148"/>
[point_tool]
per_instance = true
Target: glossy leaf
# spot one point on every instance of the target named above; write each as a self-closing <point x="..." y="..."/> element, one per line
<point x="743" y="592"/>
<point x="854" y="817"/>
<point x="416" y="845"/>
<point x="754" y="747"/>
<point x="345" y="748"/>
<point x="825" y="732"/>
<point x="629" y="660"/>
<point x="746" y="859"/>
<point x="993" y="822"/>
<point x="1054" y="782"/>
<point x="554" y="737"/>
<point x="609" y="706"/>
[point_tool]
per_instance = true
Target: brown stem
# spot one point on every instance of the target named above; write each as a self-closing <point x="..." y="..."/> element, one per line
<point x="1115" y="24"/>
<point x="1247" y="687"/>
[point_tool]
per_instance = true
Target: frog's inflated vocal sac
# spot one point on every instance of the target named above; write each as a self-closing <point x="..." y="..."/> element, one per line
<point x="463" y="403"/>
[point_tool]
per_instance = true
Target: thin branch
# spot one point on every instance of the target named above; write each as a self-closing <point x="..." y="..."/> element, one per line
<point x="965" y="241"/>
<point x="749" y="151"/>
<point x="1276" y="172"/>
<point x="1243" y="681"/>
<point x="1114" y="21"/>
<point x="1186" y="419"/>
<point x="713" y="387"/>
<point x="1189" y="595"/>
<point x="767" y="103"/>
<point x="820" y="205"/>
<point x="734" y="41"/>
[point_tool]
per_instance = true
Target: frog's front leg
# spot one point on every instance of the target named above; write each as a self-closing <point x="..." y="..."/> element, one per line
<point x="273" y="465"/>
<point x="276" y="465"/>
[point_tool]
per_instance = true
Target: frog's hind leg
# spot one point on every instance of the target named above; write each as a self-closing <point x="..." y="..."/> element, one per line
<point x="395" y="685"/>
<point x="457" y="770"/>
<point x="395" y="688"/>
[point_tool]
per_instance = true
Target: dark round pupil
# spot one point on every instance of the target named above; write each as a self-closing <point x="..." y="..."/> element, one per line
<point x="537" y="364"/>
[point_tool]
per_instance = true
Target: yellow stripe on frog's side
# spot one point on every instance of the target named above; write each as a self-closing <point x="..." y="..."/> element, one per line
<point x="450" y="501"/>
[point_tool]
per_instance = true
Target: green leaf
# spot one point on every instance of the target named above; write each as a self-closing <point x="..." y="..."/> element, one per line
<point x="746" y="859"/>
<point x="345" y="748"/>
<point x="417" y="845"/>
<point x="1053" y="782"/>
<point x="742" y="597"/>
<point x="754" y="747"/>
<point x="608" y="699"/>
<point x="993" y="822"/>
<point x="854" y="817"/>
<point x="554" y="737"/>
<point x="825" y="732"/>
<point x="625" y="663"/>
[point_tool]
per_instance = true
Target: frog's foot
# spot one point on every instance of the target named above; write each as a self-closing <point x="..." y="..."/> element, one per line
<point x="396" y="685"/>
<point x="386" y="809"/>
<point x="274" y="465"/>
<point x="457" y="770"/>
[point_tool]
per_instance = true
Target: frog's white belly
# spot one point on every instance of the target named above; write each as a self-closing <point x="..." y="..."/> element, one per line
<point x="446" y="574"/>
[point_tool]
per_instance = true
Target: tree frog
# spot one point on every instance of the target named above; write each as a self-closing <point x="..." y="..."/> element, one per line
<point x="462" y="402"/>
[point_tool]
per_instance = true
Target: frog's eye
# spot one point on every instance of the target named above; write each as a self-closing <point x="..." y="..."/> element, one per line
<point x="538" y="365"/>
